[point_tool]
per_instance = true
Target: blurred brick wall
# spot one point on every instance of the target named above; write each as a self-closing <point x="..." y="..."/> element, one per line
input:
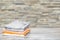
<point x="42" y="13"/>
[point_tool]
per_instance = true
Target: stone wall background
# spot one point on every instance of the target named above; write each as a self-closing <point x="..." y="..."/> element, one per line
<point x="42" y="13"/>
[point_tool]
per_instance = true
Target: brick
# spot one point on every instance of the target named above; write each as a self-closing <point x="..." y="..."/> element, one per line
<point x="33" y="20"/>
<point x="56" y="3"/>
<point x="53" y="6"/>
<point x="44" y="4"/>
<point x="56" y="0"/>
<point x="31" y="2"/>
<point x="42" y="21"/>
<point x="33" y="25"/>
<point x="44" y="1"/>
<point x="43" y="26"/>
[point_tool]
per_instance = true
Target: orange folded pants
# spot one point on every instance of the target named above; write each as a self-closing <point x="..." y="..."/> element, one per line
<point x="24" y="33"/>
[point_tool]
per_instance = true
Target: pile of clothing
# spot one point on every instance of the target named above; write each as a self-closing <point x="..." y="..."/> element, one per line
<point x="18" y="28"/>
